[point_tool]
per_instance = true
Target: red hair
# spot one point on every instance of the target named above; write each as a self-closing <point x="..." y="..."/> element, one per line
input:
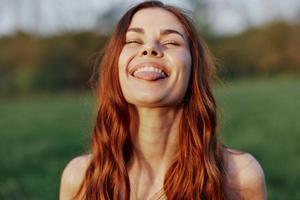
<point x="198" y="170"/>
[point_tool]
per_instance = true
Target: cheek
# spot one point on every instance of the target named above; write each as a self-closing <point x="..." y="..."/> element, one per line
<point x="188" y="64"/>
<point x="183" y="61"/>
<point x="181" y="56"/>
<point x="187" y="59"/>
<point x="122" y="60"/>
<point x="122" y="63"/>
<point x="126" y="56"/>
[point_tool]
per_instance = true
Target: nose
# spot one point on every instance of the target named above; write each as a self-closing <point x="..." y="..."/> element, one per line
<point x="151" y="50"/>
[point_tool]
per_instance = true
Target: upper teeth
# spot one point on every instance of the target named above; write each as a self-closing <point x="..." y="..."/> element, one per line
<point x="150" y="69"/>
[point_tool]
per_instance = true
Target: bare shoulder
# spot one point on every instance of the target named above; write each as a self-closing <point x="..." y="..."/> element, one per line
<point x="73" y="176"/>
<point x="246" y="174"/>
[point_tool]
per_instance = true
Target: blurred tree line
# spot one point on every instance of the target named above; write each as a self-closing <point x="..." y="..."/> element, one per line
<point x="36" y="64"/>
<point x="30" y="64"/>
<point x="267" y="51"/>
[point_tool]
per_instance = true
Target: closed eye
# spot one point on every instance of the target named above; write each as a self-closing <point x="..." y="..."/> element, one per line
<point x="133" y="42"/>
<point x="171" y="43"/>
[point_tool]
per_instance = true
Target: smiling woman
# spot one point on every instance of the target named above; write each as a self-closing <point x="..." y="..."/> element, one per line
<point x="155" y="134"/>
<point x="155" y="62"/>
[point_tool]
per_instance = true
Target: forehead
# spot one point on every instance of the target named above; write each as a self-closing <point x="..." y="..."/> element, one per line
<point x="156" y="19"/>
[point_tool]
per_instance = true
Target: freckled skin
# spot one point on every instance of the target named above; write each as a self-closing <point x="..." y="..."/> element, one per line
<point x="170" y="50"/>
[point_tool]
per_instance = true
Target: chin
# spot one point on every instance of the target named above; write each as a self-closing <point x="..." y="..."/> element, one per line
<point x="149" y="101"/>
<point x="152" y="101"/>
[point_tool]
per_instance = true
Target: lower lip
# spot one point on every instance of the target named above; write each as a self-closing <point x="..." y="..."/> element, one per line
<point x="149" y="76"/>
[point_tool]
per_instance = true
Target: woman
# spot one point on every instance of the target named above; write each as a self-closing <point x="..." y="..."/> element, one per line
<point x="155" y="134"/>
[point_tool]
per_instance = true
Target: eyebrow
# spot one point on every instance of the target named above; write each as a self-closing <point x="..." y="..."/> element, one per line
<point x="162" y="32"/>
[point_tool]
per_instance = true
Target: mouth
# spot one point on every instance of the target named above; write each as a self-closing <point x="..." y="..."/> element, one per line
<point x="149" y="71"/>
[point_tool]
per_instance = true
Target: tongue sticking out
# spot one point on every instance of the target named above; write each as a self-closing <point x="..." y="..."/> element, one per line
<point x="149" y="76"/>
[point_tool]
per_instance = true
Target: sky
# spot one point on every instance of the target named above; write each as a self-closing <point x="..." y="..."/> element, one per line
<point x="53" y="16"/>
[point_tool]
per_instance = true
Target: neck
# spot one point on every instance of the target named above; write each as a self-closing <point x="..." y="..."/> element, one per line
<point x="155" y="141"/>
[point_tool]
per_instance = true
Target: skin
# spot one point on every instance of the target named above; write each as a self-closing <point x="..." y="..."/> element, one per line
<point x="159" y="111"/>
<point x="157" y="102"/>
<point x="163" y="42"/>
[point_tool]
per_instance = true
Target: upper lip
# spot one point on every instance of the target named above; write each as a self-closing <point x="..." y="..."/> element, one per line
<point x="154" y="64"/>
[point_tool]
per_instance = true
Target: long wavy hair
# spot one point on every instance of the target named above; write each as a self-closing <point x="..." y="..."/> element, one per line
<point x="198" y="170"/>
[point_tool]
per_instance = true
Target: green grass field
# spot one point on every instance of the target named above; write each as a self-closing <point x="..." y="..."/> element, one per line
<point x="41" y="133"/>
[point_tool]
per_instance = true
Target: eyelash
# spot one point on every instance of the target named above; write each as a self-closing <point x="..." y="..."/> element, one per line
<point x="133" y="41"/>
<point x="169" y="42"/>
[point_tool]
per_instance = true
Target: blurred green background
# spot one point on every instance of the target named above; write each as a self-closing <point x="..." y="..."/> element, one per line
<point x="47" y="106"/>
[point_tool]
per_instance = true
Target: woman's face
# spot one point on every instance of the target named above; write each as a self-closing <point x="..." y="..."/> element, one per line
<point x="155" y="62"/>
